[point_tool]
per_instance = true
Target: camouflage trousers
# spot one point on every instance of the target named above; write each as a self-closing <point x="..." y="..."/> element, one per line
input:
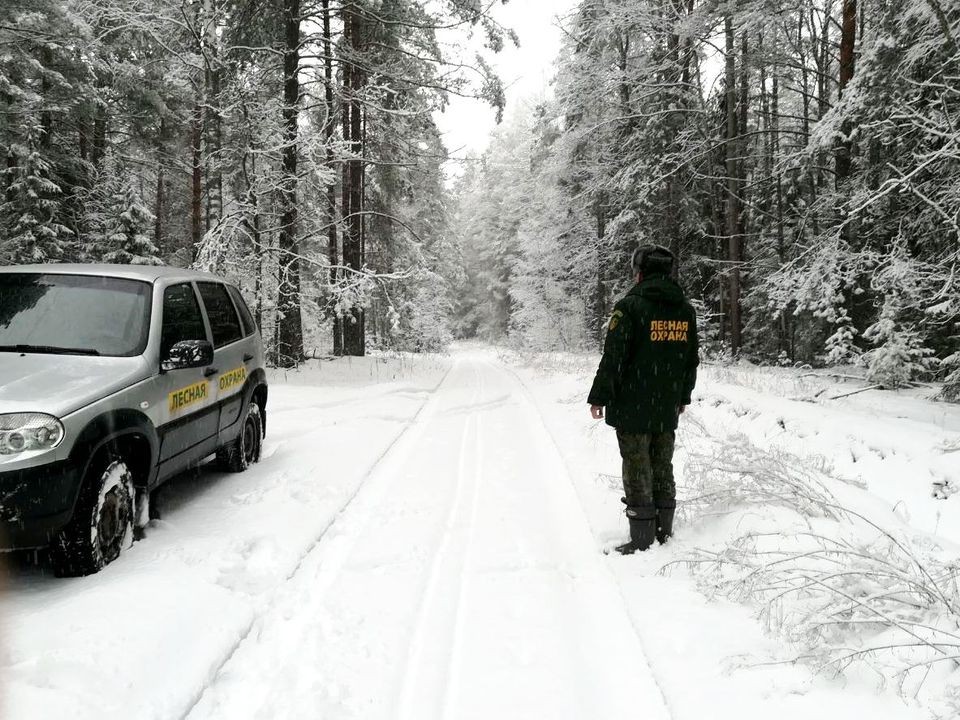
<point x="647" y="468"/>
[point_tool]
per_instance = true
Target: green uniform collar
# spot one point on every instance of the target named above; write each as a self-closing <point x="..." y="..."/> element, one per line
<point x="659" y="288"/>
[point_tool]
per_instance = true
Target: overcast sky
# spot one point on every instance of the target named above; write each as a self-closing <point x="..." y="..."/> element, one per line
<point x="526" y="72"/>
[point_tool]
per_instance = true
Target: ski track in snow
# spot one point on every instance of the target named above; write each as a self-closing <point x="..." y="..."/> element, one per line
<point x="454" y="680"/>
<point x="416" y="694"/>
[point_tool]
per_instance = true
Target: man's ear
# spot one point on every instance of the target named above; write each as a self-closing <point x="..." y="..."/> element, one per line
<point x="639" y="277"/>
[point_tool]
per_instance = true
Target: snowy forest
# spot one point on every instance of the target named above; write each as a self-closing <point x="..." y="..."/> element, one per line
<point x="800" y="157"/>
<point x="289" y="145"/>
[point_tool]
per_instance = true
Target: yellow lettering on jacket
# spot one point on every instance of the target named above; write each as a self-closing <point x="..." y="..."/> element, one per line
<point x="669" y="330"/>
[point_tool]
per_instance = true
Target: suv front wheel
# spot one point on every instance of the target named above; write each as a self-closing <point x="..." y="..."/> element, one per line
<point x="102" y="523"/>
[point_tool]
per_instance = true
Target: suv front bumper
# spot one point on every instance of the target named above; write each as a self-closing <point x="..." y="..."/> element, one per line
<point x="35" y="503"/>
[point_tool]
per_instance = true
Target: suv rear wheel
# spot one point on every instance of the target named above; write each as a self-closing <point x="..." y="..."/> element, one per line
<point x="242" y="452"/>
<point x="102" y="523"/>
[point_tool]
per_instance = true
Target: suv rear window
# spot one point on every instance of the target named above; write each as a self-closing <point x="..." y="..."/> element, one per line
<point x="74" y="314"/>
<point x="249" y="326"/>
<point x="224" y="322"/>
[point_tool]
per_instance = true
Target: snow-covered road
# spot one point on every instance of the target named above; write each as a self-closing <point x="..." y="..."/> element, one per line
<point x="449" y="573"/>
<point x="414" y="545"/>
<point x="462" y="582"/>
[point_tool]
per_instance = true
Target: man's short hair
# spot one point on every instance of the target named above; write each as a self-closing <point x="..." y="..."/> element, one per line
<point x="652" y="260"/>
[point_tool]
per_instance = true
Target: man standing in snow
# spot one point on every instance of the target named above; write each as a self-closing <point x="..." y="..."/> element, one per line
<point x="646" y="376"/>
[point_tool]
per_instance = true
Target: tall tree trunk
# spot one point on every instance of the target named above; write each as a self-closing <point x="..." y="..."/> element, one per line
<point x="354" y="341"/>
<point x="83" y="138"/>
<point x="257" y="241"/>
<point x="290" y="324"/>
<point x="196" y="177"/>
<point x="784" y="331"/>
<point x="765" y="116"/>
<point x="823" y="63"/>
<point x="99" y="150"/>
<point x="213" y="117"/>
<point x="623" y="51"/>
<point x="344" y="180"/>
<point x="743" y="107"/>
<point x="677" y="67"/>
<point x="848" y="38"/>
<point x="256" y="235"/>
<point x="333" y="240"/>
<point x="159" y="196"/>
<point x="733" y="190"/>
<point x="46" y="115"/>
<point x="823" y="60"/>
<point x="600" y="294"/>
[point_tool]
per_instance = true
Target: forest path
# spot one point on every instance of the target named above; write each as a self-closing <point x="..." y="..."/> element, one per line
<point x="462" y="582"/>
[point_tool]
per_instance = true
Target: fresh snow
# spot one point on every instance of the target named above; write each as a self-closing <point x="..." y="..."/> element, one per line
<point x="424" y="539"/>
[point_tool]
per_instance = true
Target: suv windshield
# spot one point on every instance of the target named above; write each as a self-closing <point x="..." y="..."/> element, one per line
<point x="73" y="314"/>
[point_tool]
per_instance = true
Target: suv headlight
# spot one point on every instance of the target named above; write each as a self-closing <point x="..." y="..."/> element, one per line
<point x="29" y="432"/>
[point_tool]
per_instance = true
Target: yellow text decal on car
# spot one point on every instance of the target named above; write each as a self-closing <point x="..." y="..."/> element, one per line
<point x="190" y="395"/>
<point x="233" y="378"/>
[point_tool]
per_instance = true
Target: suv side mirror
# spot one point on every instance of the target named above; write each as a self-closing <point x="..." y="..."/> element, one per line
<point x="188" y="354"/>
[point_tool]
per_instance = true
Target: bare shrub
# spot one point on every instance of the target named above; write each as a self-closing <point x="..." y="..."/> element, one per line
<point x="838" y="586"/>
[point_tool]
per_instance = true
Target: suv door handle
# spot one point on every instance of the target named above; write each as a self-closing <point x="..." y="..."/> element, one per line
<point x="210" y="372"/>
<point x="247" y="357"/>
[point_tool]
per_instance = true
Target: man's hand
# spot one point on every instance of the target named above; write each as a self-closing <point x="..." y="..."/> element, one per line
<point x="596" y="412"/>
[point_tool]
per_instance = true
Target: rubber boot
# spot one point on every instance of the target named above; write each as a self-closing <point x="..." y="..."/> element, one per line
<point x="665" y="512"/>
<point x="643" y="529"/>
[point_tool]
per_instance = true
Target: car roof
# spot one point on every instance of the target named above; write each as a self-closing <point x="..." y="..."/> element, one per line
<point x="147" y="273"/>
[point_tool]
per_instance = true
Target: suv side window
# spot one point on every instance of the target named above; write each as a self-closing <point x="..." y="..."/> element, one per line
<point x="249" y="326"/>
<point x="182" y="319"/>
<point x="224" y="322"/>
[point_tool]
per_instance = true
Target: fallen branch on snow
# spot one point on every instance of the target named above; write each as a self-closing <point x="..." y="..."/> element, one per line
<point x="855" y="392"/>
<point x="838" y="586"/>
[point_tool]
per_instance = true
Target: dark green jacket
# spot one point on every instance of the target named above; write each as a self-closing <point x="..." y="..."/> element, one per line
<point x="650" y="359"/>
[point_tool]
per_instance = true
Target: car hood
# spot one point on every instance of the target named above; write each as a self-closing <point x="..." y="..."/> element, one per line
<point x="62" y="384"/>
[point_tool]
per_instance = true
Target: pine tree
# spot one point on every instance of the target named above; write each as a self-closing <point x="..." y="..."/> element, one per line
<point x="29" y="216"/>
<point x="900" y="355"/>
<point x="128" y="230"/>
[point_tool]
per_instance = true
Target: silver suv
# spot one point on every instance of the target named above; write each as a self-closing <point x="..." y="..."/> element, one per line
<point x="113" y="379"/>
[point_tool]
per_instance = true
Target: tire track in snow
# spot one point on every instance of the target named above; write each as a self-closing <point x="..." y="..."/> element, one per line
<point x="442" y="649"/>
<point x="338" y="517"/>
<point x="443" y="646"/>
<point x="414" y="687"/>
<point x="455" y="660"/>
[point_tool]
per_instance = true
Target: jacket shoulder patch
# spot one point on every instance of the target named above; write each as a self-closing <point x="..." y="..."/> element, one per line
<point x="615" y="320"/>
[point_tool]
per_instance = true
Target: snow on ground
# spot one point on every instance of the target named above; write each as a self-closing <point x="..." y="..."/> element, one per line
<point x="463" y="583"/>
<point x="424" y="538"/>
<point x="900" y="444"/>
<point x="144" y="638"/>
<point x="876" y="453"/>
